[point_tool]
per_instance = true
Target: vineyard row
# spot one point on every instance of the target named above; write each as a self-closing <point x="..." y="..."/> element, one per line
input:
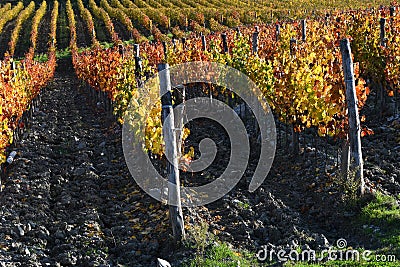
<point x="21" y="81"/>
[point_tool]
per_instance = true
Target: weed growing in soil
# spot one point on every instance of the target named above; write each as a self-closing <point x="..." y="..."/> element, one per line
<point x="349" y="185"/>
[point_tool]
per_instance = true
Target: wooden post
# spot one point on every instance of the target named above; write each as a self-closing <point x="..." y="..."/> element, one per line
<point x="164" y="44"/>
<point x="174" y="195"/>
<point x="392" y="15"/>
<point x="183" y="43"/>
<point x="121" y="50"/>
<point x="203" y="43"/>
<point x="303" y="30"/>
<point x="293" y="43"/>
<point x="238" y="33"/>
<point x="295" y="141"/>
<point x="186" y="24"/>
<point x="382" y="94"/>
<point x="392" y="11"/>
<point x="138" y="64"/>
<point x="13" y="68"/>
<point x="295" y="134"/>
<point x="277" y="31"/>
<point x="136" y="50"/>
<point x="354" y="120"/>
<point x="1" y="177"/>
<point x="174" y="43"/>
<point x="255" y="41"/>
<point x="224" y="43"/>
<point x="383" y="39"/>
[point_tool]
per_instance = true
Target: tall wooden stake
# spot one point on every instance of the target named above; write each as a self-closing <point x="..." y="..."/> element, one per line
<point x="183" y="43"/>
<point x="277" y="31"/>
<point x="354" y="120"/>
<point x="224" y="43"/>
<point x="174" y="194"/>
<point x="255" y="40"/>
<point x="138" y="64"/>
<point x="303" y="30"/>
<point x="383" y="38"/>
<point x="203" y="43"/>
<point x="164" y="44"/>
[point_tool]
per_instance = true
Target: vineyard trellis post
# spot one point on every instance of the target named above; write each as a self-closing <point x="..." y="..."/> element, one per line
<point x="1" y="177"/>
<point x="295" y="133"/>
<point x="354" y="134"/>
<point x="255" y="52"/>
<point x="174" y="43"/>
<point x="13" y="68"/>
<point x="136" y="50"/>
<point x="164" y="45"/>
<point x="186" y="24"/>
<point x="224" y="43"/>
<point x="255" y="40"/>
<point x="392" y="14"/>
<point x="303" y="30"/>
<point x="138" y="63"/>
<point x="238" y="33"/>
<point x="277" y="31"/>
<point x="169" y="135"/>
<point x="382" y="34"/>
<point x="326" y="19"/>
<point x="203" y="42"/>
<point x="392" y="11"/>
<point x="382" y="94"/>
<point x="121" y="50"/>
<point x="293" y="43"/>
<point x="183" y="43"/>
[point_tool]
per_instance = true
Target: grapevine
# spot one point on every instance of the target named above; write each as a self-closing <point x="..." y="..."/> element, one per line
<point x="22" y="17"/>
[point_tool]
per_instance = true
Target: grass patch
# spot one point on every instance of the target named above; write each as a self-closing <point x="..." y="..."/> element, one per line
<point x="384" y="214"/>
<point x="210" y="252"/>
<point x="344" y="264"/>
<point x="221" y="255"/>
<point x="64" y="53"/>
<point x="41" y="58"/>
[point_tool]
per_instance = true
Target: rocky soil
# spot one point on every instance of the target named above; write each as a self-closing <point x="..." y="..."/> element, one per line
<point x="68" y="198"/>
